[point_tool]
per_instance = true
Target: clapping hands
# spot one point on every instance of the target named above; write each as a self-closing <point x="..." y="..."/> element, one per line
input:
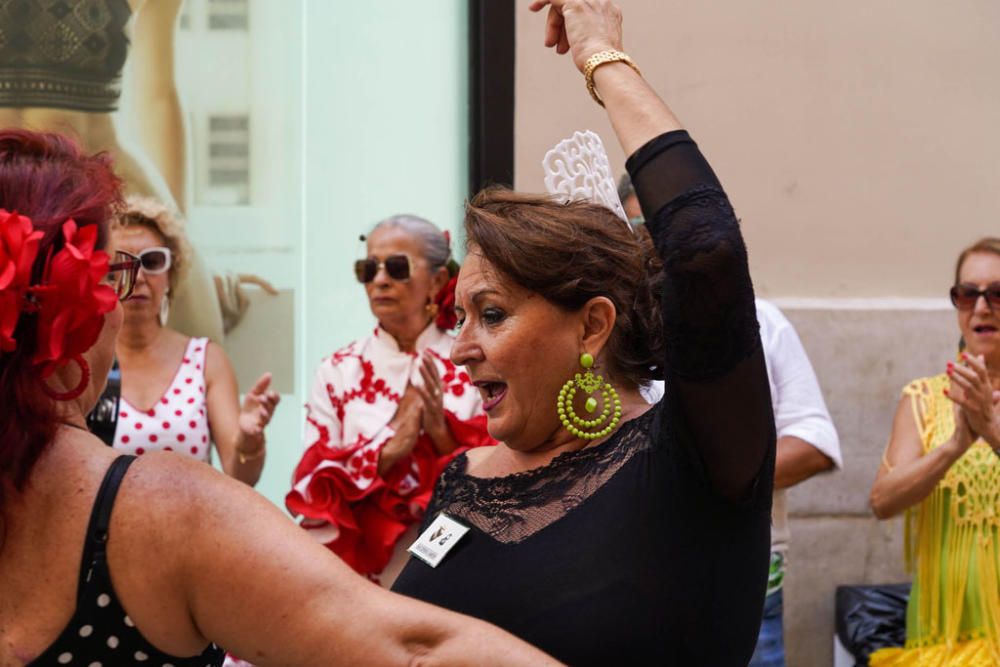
<point x="978" y="404"/>
<point x="432" y="396"/>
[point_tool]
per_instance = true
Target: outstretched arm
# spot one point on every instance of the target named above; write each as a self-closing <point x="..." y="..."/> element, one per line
<point x="234" y="570"/>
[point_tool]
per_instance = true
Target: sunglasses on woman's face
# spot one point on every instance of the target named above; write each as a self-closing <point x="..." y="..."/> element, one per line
<point x="397" y="266"/>
<point x="155" y="260"/>
<point x="964" y="297"/>
<point x="122" y="273"/>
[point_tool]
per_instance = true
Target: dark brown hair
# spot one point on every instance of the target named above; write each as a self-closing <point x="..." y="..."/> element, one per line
<point x="570" y="253"/>
<point x="985" y="244"/>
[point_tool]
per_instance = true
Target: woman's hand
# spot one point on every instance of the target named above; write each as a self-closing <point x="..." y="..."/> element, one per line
<point x="406" y="423"/>
<point x="255" y="414"/>
<point x="583" y="27"/>
<point x="237" y="430"/>
<point x="258" y="407"/>
<point x="978" y="403"/>
<point x="586" y="27"/>
<point x="432" y="394"/>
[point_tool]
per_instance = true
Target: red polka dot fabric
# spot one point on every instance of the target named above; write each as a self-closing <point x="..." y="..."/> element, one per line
<point x="177" y="419"/>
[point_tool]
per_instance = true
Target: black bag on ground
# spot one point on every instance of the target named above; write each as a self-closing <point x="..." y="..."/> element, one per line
<point x="870" y="618"/>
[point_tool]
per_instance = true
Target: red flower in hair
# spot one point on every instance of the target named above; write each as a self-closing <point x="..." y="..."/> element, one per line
<point x="72" y="300"/>
<point x="18" y="249"/>
<point x="445" y="300"/>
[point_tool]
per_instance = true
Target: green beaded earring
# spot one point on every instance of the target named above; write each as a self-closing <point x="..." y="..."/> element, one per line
<point x="589" y="383"/>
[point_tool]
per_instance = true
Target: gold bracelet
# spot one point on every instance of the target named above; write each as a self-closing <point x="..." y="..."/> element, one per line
<point x="244" y="457"/>
<point x="603" y="58"/>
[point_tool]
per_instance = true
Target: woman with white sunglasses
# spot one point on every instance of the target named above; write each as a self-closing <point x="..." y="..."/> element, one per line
<point x="178" y="393"/>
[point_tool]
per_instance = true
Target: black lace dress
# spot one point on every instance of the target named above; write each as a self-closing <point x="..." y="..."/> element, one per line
<point x="652" y="547"/>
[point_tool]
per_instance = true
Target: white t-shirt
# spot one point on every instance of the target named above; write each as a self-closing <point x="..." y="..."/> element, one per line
<point x="799" y="409"/>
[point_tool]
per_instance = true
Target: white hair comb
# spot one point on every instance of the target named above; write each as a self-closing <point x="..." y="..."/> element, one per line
<point x="578" y="168"/>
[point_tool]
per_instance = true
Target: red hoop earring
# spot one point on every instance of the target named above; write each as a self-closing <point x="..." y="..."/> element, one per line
<point x="76" y="391"/>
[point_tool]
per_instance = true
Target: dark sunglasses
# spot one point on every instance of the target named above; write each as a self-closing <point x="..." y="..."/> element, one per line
<point x="397" y="266"/>
<point x="122" y="273"/>
<point x="964" y="297"/>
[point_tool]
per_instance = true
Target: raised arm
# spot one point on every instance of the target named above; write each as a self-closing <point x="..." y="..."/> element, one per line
<point x="716" y="377"/>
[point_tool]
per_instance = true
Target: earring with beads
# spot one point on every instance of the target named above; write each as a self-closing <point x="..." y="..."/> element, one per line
<point x="611" y="406"/>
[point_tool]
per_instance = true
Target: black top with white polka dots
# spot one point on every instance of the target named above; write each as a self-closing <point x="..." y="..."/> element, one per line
<point x="101" y="634"/>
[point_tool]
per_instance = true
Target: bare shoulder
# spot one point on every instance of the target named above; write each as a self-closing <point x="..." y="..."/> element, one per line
<point x="174" y="494"/>
<point x="192" y="509"/>
<point x="173" y="523"/>
<point x="904" y="443"/>
<point x="217" y="361"/>
<point x="178" y="504"/>
<point x="170" y="507"/>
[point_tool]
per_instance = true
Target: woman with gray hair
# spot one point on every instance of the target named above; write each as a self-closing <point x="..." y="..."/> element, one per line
<point x="387" y="413"/>
<point x="179" y="393"/>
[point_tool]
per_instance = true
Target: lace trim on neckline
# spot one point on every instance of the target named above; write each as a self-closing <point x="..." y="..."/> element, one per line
<point x="513" y="507"/>
<point x="566" y="458"/>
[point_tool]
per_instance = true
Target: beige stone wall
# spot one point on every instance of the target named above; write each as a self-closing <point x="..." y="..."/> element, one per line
<point x="863" y="358"/>
<point x="858" y="141"/>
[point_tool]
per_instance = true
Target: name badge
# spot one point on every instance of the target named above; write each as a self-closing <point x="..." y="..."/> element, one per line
<point x="439" y="538"/>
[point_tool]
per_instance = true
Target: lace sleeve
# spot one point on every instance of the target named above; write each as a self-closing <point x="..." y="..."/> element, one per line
<point x="717" y="400"/>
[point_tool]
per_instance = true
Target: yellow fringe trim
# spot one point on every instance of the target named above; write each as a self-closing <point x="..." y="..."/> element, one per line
<point x="976" y="653"/>
<point x="958" y="522"/>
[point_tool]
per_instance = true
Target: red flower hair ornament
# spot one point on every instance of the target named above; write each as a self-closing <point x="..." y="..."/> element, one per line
<point x="446" y="318"/>
<point x="18" y="249"/>
<point x="70" y="302"/>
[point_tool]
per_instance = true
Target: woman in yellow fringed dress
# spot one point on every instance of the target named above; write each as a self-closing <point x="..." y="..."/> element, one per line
<point x="942" y="466"/>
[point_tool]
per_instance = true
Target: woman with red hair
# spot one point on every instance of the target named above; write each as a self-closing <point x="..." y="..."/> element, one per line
<point x="157" y="522"/>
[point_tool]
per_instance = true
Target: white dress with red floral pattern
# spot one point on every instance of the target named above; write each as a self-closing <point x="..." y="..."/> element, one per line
<point x="178" y="421"/>
<point x="336" y="488"/>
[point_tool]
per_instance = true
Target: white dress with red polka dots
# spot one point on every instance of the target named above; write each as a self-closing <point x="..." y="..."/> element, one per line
<point x="178" y="421"/>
